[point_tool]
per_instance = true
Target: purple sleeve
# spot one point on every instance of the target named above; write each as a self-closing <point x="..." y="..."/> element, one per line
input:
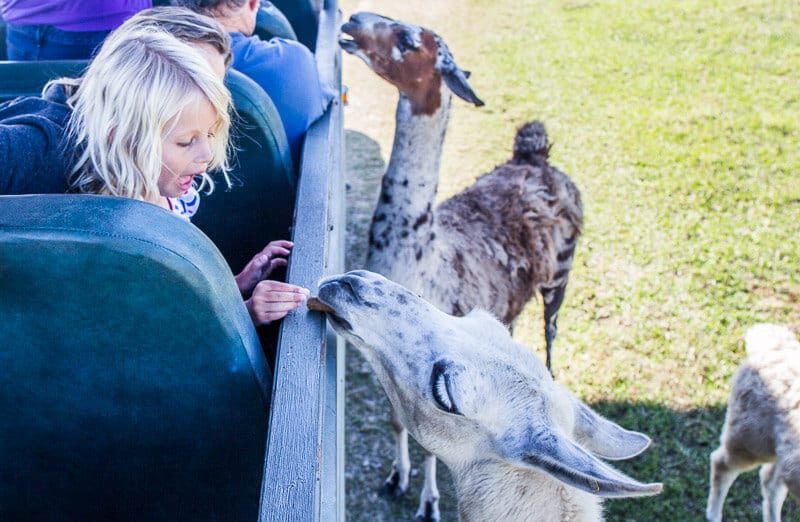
<point x="74" y="15"/>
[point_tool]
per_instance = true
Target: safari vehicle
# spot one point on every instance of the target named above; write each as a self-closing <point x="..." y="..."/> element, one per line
<point x="134" y="385"/>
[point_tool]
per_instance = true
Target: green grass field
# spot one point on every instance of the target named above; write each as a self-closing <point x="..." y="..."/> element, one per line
<point x="680" y="123"/>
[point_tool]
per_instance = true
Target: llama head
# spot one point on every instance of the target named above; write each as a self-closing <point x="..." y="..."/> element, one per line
<point x="468" y="393"/>
<point x="412" y="58"/>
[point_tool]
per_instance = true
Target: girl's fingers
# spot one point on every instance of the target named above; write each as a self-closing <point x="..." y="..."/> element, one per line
<point x="278" y="286"/>
<point x="272" y="300"/>
<point x="280" y="247"/>
<point x="277" y="262"/>
<point x="280" y="301"/>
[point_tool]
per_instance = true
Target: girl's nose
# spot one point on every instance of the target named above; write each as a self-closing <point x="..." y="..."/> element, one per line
<point x="206" y="153"/>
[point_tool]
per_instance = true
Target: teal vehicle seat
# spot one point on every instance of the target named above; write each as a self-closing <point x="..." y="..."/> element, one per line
<point x="271" y="22"/>
<point x="29" y="78"/>
<point x="304" y="17"/>
<point x="259" y="207"/>
<point x="133" y="384"/>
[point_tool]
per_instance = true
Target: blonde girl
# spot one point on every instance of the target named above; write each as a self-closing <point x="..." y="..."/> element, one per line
<point x="150" y="119"/>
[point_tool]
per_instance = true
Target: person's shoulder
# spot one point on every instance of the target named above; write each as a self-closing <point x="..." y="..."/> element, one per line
<point x="25" y="107"/>
<point x="33" y="149"/>
<point x="278" y="50"/>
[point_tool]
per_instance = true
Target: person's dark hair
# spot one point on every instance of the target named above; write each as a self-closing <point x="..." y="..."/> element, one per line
<point x="188" y="25"/>
<point x="209" y="7"/>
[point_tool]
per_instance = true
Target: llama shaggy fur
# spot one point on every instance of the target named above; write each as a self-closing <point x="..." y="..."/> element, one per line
<point x="762" y="423"/>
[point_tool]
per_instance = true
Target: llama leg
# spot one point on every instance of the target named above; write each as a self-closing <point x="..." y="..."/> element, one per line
<point x="429" y="499"/>
<point x="397" y="482"/>
<point x="723" y="473"/>
<point x="773" y="490"/>
<point x="552" y="297"/>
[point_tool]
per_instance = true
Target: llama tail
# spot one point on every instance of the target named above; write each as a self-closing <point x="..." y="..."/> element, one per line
<point x="765" y="337"/>
<point x="530" y="145"/>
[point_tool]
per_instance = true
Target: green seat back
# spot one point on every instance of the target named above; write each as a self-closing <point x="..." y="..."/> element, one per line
<point x="304" y="17"/>
<point x="29" y="78"/>
<point x="258" y="207"/>
<point x="271" y="22"/>
<point x="133" y="386"/>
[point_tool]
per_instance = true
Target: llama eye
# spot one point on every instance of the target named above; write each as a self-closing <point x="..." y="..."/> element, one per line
<point x="405" y="42"/>
<point x="440" y="388"/>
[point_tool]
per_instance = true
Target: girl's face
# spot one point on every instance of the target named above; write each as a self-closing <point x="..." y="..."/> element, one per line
<point x="186" y="144"/>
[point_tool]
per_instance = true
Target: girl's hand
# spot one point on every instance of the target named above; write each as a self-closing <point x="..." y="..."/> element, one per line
<point x="272" y="300"/>
<point x="261" y="266"/>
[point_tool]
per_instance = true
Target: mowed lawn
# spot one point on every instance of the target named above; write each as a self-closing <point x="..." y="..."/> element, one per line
<point x="680" y="123"/>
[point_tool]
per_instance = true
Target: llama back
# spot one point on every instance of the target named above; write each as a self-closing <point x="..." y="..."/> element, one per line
<point x="772" y="366"/>
<point x="532" y="148"/>
<point x="509" y="234"/>
<point x="524" y="217"/>
<point x="763" y="338"/>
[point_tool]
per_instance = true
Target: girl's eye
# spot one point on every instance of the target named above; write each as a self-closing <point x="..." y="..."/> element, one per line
<point x="186" y="143"/>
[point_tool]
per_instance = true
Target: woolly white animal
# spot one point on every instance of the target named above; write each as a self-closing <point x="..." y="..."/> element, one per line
<point x="495" y="245"/>
<point x="762" y="423"/>
<point x="520" y="447"/>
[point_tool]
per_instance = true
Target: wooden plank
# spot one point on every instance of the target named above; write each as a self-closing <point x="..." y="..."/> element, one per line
<point x="303" y="468"/>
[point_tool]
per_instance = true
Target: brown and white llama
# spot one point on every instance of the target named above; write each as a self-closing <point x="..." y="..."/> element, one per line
<point x="520" y="447"/>
<point x="493" y="246"/>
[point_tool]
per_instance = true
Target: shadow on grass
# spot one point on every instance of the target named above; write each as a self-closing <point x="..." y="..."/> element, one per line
<point x="679" y="457"/>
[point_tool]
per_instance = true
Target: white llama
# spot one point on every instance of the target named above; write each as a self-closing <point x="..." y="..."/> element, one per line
<point x="520" y="447"/>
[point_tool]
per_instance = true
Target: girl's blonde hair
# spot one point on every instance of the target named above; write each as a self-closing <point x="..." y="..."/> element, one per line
<point x="140" y="79"/>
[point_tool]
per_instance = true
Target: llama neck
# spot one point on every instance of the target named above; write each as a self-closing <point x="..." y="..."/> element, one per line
<point x="417" y="148"/>
<point x="404" y="216"/>
<point x="491" y="490"/>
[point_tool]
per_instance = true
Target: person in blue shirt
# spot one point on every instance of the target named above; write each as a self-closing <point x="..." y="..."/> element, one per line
<point x="285" y="69"/>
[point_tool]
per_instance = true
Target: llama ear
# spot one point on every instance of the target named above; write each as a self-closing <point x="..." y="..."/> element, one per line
<point x="606" y="439"/>
<point x="559" y="457"/>
<point x="456" y="79"/>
